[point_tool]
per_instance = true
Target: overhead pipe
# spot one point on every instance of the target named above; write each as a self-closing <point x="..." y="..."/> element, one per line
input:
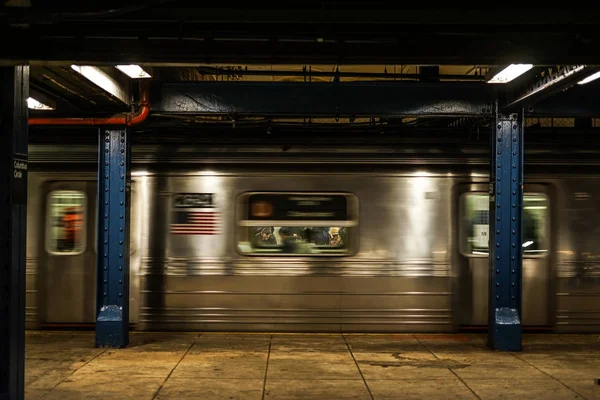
<point x="128" y="119"/>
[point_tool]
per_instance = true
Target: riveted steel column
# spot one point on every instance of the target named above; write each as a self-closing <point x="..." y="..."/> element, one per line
<point x="114" y="183"/>
<point x="13" y="222"/>
<point x="506" y="211"/>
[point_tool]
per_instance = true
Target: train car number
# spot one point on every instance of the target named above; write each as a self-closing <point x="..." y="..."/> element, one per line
<point x="193" y="200"/>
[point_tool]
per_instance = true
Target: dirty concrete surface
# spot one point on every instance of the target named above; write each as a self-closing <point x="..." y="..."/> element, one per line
<point x="65" y="365"/>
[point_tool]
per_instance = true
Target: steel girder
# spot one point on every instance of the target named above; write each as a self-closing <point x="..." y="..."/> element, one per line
<point x="550" y="84"/>
<point x="505" y="233"/>
<point x="324" y="99"/>
<point x="425" y="49"/>
<point x="114" y="196"/>
<point x="13" y="225"/>
<point x="321" y="32"/>
<point x="579" y="101"/>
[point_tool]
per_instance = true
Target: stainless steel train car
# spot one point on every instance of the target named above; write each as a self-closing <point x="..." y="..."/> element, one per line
<point x="412" y="255"/>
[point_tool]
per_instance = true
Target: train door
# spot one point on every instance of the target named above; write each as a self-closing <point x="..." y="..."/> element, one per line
<point x="69" y="275"/>
<point x="473" y="262"/>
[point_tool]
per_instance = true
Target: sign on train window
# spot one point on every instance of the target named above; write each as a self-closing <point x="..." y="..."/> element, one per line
<point x="474" y="230"/>
<point x="65" y="222"/>
<point x="297" y="223"/>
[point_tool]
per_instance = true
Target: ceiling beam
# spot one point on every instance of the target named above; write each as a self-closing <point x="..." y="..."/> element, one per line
<point x="444" y="99"/>
<point x="548" y="85"/>
<point x="164" y="31"/>
<point x="262" y="12"/>
<point x="577" y="102"/>
<point x="412" y="49"/>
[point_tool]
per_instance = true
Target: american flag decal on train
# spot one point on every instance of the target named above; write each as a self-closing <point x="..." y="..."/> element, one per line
<point x="196" y="223"/>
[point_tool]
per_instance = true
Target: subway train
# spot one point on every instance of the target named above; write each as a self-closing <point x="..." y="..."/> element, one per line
<point x="312" y="239"/>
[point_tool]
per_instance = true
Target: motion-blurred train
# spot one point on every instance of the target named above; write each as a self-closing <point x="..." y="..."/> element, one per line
<point x="384" y="239"/>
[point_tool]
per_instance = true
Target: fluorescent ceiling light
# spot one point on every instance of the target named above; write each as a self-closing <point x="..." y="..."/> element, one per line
<point x="590" y="78"/>
<point x="36" y="105"/>
<point x="511" y="72"/>
<point x="528" y="243"/>
<point x="102" y="80"/>
<point x="133" y="71"/>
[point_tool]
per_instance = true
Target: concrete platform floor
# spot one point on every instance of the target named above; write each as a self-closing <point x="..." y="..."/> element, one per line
<point x="65" y="365"/>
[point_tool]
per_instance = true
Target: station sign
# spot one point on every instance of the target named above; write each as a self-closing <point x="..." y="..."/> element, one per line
<point x="297" y="207"/>
<point x="19" y="178"/>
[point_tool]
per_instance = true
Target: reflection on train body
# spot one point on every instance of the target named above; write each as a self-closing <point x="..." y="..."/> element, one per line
<point x="399" y="251"/>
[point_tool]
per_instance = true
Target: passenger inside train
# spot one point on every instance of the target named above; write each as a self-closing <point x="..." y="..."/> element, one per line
<point x="265" y="237"/>
<point x="66" y="216"/>
<point x="335" y="237"/>
<point x="289" y="240"/>
<point x="72" y="221"/>
<point x="318" y="235"/>
<point x="299" y="239"/>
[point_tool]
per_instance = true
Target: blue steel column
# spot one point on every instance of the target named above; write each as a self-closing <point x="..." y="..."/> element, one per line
<point x="114" y="184"/>
<point x="506" y="215"/>
<point x="13" y="221"/>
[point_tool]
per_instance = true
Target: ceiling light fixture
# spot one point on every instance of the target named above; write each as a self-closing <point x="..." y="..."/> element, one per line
<point x="102" y="80"/>
<point x="133" y="71"/>
<point x="510" y="72"/>
<point x="37" y="105"/>
<point x="590" y="78"/>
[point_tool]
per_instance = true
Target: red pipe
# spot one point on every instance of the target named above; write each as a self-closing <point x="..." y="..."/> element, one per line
<point x="129" y="119"/>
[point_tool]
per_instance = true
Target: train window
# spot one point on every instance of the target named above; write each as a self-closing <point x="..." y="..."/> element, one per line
<point x="65" y="222"/>
<point x="475" y="231"/>
<point x="292" y="223"/>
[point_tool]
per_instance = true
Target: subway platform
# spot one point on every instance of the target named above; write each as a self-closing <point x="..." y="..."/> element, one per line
<point x="65" y="365"/>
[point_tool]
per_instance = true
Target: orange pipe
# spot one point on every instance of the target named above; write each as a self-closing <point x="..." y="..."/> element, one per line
<point x="129" y="119"/>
